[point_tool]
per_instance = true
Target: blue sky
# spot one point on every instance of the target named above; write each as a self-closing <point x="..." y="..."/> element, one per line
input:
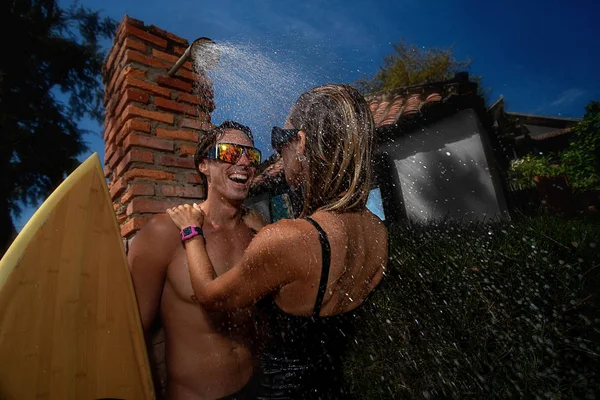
<point x="542" y="56"/>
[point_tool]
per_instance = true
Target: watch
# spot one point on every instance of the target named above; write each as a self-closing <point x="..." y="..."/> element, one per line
<point x="189" y="232"/>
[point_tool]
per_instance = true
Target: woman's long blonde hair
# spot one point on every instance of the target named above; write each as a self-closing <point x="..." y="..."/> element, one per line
<point x="339" y="140"/>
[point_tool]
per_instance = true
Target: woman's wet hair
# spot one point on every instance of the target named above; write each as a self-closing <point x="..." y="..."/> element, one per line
<point x="339" y="132"/>
<point x="209" y="139"/>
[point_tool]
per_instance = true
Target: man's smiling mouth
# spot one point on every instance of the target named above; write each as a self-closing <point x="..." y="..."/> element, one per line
<point x="238" y="177"/>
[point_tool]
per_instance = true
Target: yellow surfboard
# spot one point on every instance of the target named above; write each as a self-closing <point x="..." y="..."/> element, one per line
<point x="69" y="322"/>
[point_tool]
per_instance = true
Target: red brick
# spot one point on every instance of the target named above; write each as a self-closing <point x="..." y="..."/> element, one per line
<point x="121" y="218"/>
<point x="136" y="56"/>
<point x="131" y="43"/>
<point x="109" y="61"/>
<point x="205" y="102"/>
<point x="148" y="174"/>
<point x="132" y="21"/>
<point x="180" y="162"/>
<point x="116" y="156"/>
<point x="107" y="126"/>
<point x="202" y="97"/>
<point x="135" y="111"/>
<point x="187" y="150"/>
<point x="170" y="58"/>
<point x="204" y="93"/>
<point x="196" y="123"/>
<point x="114" y="86"/>
<point x="137" y="189"/>
<point x="128" y="43"/>
<point x="200" y="80"/>
<point x="107" y="172"/>
<point x="131" y="96"/>
<point x="117" y="188"/>
<point x="194" y="178"/>
<point x="168" y="35"/>
<point x="190" y="136"/>
<point x="138" y="205"/>
<point x="109" y="108"/>
<point x="171" y="105"/>
<point x="190" y="98"/>
<point x="188" y="192"/>
<point x="111" y="130"/>
<point x="133" y="225"/>
<point x="147" y="141"/>
<point x="179" y="50"/>
<point x="147" y="86"/>
<point x="133" y="125"/>
<point x="132" y="156"/>
<point x="174" y="83"/>
<point x="109" y="149"/>
<point x="148" y="37"/>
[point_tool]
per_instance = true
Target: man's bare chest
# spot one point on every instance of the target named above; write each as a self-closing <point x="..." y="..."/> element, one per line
<point x="224" y="251"/>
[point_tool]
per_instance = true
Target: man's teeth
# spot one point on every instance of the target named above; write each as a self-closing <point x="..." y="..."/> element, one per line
<point x="238" y="178"/>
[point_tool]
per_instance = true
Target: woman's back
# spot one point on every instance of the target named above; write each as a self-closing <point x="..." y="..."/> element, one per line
<point x="341" y="259"/>
<point x="359" y="250"/>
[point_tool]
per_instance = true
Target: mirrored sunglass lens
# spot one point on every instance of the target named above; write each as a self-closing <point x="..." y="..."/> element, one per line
<point x="253" y="155"/>
<point x="229" y="153"/>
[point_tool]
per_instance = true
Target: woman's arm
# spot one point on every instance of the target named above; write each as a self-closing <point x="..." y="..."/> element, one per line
<point x="266" y="265"/>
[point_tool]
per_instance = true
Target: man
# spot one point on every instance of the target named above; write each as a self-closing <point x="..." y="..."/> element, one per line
<point x="208" y="355"/>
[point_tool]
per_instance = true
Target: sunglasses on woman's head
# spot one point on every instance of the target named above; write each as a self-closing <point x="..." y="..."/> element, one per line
<point x="231" y="153"/>
<point x="280" y="137"/>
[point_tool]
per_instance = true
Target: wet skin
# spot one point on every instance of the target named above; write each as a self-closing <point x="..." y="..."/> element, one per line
<point x="284" y="258"/>
<point x="208" y="354"/>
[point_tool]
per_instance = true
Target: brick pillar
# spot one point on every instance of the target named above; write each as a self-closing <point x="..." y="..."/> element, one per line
<point x="152" y="123"/>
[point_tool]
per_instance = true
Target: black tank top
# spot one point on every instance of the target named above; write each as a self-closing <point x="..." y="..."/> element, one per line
<point x="301" y="357"/>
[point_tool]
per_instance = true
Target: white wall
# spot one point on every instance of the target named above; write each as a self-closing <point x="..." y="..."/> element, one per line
<point x="442" y="171"/>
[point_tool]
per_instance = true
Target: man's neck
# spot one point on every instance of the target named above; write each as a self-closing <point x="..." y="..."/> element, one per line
<point x="221" y="212"/>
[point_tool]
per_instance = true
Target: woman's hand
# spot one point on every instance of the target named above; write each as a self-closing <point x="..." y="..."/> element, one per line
<point x="186" y="215"/>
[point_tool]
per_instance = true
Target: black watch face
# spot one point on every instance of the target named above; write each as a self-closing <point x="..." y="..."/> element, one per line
<point x="187" y="231"/>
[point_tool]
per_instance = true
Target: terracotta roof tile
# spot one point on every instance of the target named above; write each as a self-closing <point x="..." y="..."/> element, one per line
<point x="552" y="134"/>
<point x="391" y="107"/>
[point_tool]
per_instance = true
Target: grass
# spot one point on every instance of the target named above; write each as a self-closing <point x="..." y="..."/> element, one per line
<point x="507" y="309"/>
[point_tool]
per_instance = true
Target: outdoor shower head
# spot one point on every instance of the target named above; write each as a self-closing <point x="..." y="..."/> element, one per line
<point x="205" y="53"/>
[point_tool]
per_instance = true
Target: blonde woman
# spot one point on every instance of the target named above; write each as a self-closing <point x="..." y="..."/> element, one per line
<point x="310" y="272"/>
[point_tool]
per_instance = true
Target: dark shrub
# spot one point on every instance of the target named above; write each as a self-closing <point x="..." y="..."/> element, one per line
<point x="501" y="310"/>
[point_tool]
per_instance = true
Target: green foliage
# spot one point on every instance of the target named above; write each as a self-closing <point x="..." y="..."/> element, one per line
<point x="410" y="65"/>
<point x="522" y="172"/>
<point x="581" y="160"/>
<point x="49" y="79"/>
<point x="507" y="309"/>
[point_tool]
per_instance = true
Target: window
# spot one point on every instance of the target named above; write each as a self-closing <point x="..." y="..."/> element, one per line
<point x="281" y="207"/>
<point x="375" y="204"/>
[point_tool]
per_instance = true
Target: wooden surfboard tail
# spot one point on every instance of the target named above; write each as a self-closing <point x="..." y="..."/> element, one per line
<point x="69" y="322"/>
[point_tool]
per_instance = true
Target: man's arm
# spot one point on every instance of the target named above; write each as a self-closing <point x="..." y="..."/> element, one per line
<point x="149" y="256"/>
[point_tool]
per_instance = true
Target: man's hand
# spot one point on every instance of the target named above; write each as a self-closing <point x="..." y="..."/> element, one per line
<point x="186" y="215"/>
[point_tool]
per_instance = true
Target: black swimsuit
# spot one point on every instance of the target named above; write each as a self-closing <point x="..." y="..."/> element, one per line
<point x="302" y="355"/>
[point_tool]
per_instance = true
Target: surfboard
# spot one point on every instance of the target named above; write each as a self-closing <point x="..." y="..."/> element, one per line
<point x="69" y="322"/>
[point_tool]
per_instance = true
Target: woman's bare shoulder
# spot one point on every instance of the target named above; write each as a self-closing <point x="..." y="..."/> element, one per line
<point x="284" y="232"/>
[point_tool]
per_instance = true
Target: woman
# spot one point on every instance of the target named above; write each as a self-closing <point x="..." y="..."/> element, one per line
<point x="312" y="272"/>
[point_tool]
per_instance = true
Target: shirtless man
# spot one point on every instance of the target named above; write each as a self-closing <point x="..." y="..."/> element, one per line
<point x="209" y="355"/>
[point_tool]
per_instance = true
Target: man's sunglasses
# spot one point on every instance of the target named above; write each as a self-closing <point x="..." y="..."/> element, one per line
<point x="280" y="137"/>
<point x="231" y="153"/>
